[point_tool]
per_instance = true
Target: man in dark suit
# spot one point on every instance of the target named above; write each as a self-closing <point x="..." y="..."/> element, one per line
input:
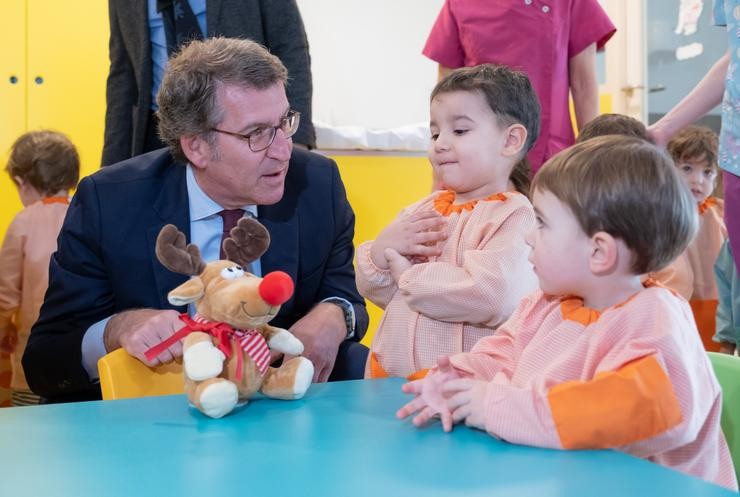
<point x="226" y="120"/>
<point x="139" y="49"/>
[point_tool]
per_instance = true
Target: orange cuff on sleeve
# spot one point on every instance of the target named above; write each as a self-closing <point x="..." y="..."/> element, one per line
<point x="377" y="371"/>
<point x="705" y="312"/>
<point x="617" y="408"/>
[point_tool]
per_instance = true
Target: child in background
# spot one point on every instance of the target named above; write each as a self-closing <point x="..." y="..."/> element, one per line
<point x="44" y="165"/>
<point x="452" y="267"/>
<point x="612" y="124"/>
<point x="694" y="151"/>
<point x="728" y="309"/>
<point x="596" y="359"/>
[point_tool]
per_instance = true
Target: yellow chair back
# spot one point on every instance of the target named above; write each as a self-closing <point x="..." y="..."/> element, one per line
<point x="123" y="377"/>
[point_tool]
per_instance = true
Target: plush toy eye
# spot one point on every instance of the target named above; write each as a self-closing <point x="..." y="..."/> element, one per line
<point x="232" y="273"/>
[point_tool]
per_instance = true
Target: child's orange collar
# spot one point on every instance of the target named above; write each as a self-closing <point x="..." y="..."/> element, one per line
<point x="444" y="203"/>
<point x="573" y="309"/>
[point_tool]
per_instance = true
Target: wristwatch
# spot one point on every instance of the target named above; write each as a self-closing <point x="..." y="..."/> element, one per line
<point x="349" y="313"/>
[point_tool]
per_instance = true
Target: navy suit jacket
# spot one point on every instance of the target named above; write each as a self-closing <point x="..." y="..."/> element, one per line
<point x="105" y="262"/>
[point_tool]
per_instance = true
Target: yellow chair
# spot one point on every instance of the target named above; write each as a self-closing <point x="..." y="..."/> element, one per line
<point x="727" y="369"/>
<point x="125" y="377"/>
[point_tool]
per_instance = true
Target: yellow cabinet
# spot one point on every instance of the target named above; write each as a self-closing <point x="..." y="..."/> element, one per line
<point x="52" y="75"/>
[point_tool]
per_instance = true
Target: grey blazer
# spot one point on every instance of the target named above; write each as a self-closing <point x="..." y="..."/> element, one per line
<point x="276" y="24"/>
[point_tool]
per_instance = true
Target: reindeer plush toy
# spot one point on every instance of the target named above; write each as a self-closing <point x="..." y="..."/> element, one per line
<point x="226" y="348"/>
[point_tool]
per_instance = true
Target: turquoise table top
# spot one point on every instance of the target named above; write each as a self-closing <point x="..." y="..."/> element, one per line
<point x="342" y="439"/>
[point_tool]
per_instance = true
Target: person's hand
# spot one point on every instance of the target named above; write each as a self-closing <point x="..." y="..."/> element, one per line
<point x="397" y="263"/>
<point x="411" y="235"/>
<point x="321" y="331"/>
<point x="727" y="348"/>
<point x="139" y="330"/>
<point x="466" y="401"/>
<point x="9" y="341"/>
<point x="430" y="399"/>
<point x="657" y="135"/>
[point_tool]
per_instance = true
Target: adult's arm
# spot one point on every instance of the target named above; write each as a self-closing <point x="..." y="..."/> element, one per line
<point x="285" y="37"/>
<point x="120" y="95"/>
<point x="706" y="95"/>
<point x="583" y="85"/>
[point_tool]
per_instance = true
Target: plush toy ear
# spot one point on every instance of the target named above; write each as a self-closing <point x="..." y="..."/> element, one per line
<point x="188" y="292"/>
<point x="175" y="255"/>
<point x="247" y="241"/>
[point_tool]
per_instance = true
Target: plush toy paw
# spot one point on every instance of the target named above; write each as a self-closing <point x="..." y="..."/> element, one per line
<point x="218" y="399"/>
<point x="285" y="342"/>
<point x="303" y="377"/>
<point x="202" y="361"/>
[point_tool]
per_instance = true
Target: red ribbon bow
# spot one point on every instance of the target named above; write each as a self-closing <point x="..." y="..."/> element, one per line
<point x="222" y="332"/>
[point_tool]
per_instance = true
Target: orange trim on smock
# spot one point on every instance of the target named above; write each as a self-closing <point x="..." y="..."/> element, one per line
<point x="377" y="372"/>
<point x="616" y="408"/>
<point x="705" y="312"/>
<point x="445" y="202"/>
<point x="55" y="200"/>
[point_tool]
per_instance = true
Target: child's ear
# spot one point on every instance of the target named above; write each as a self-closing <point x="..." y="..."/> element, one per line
<point x="516" y="137"/>
<point x="603" y="253"/>
<point x="18" y="181"/>
<point x="196" y="149"/>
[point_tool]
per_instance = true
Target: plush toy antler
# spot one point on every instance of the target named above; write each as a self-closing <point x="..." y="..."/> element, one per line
<point x="175" y="255"/>
<point x="247" y="241"/>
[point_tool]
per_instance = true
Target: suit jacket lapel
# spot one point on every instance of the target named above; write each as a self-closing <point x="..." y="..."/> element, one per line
<point x="283" y="228"/>
<point x="172" y="208"/>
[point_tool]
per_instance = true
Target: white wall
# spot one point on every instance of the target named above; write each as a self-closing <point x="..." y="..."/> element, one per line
<point x="367" y="65"/>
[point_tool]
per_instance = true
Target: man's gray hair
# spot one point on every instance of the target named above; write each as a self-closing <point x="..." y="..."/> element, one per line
<point x="187" y="96"/>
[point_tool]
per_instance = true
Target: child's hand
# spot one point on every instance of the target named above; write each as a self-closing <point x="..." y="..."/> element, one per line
<point x="727" y="348"/>
<point x="430" y="399"/>
<point x="465" y="401"/>
<point x="411" y="235"/>
<point x="397" y="263"/>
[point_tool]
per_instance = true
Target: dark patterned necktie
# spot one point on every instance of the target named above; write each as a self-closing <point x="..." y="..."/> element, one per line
<point x="180" y="24"/>
<point x="230" y="217"/>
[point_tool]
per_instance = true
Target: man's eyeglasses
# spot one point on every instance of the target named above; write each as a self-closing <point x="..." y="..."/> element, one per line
<point x="261" y="138"/>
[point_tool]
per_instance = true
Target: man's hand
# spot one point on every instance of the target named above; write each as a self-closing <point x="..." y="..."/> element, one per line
<point x="139" y="330"/>
<point x="321" y="331"/>
<point x="431" y="399"/>
<point x="411" y="235"/>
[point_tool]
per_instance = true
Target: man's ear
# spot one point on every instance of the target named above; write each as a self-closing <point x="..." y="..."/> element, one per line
<point x="516" y="137"/>
<point x="196" y="149"/>
<point x="603" y="253"/>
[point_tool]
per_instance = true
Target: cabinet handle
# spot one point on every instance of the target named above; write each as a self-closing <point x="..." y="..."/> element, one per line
<point x="13" y="80"/>
<point x="39" y="80"/>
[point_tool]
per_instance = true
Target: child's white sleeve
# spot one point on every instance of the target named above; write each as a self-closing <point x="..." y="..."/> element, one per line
<point x="11" y="273"/>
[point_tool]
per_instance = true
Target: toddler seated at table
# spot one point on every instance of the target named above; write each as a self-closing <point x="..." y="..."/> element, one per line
<point x="596" y="358"/>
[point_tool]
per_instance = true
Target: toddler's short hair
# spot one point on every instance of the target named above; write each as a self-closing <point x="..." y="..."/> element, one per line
<point x="612" y="124"/>
<point x="628" y="188"/>
<point x="694" y="142"/>
<point x="46" y="159"/>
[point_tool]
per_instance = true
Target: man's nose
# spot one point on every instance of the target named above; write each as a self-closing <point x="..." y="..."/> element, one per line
<point x="281" y="146"/>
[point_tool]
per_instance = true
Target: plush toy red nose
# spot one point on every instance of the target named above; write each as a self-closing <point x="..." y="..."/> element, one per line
<point x="276" y="288"/>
